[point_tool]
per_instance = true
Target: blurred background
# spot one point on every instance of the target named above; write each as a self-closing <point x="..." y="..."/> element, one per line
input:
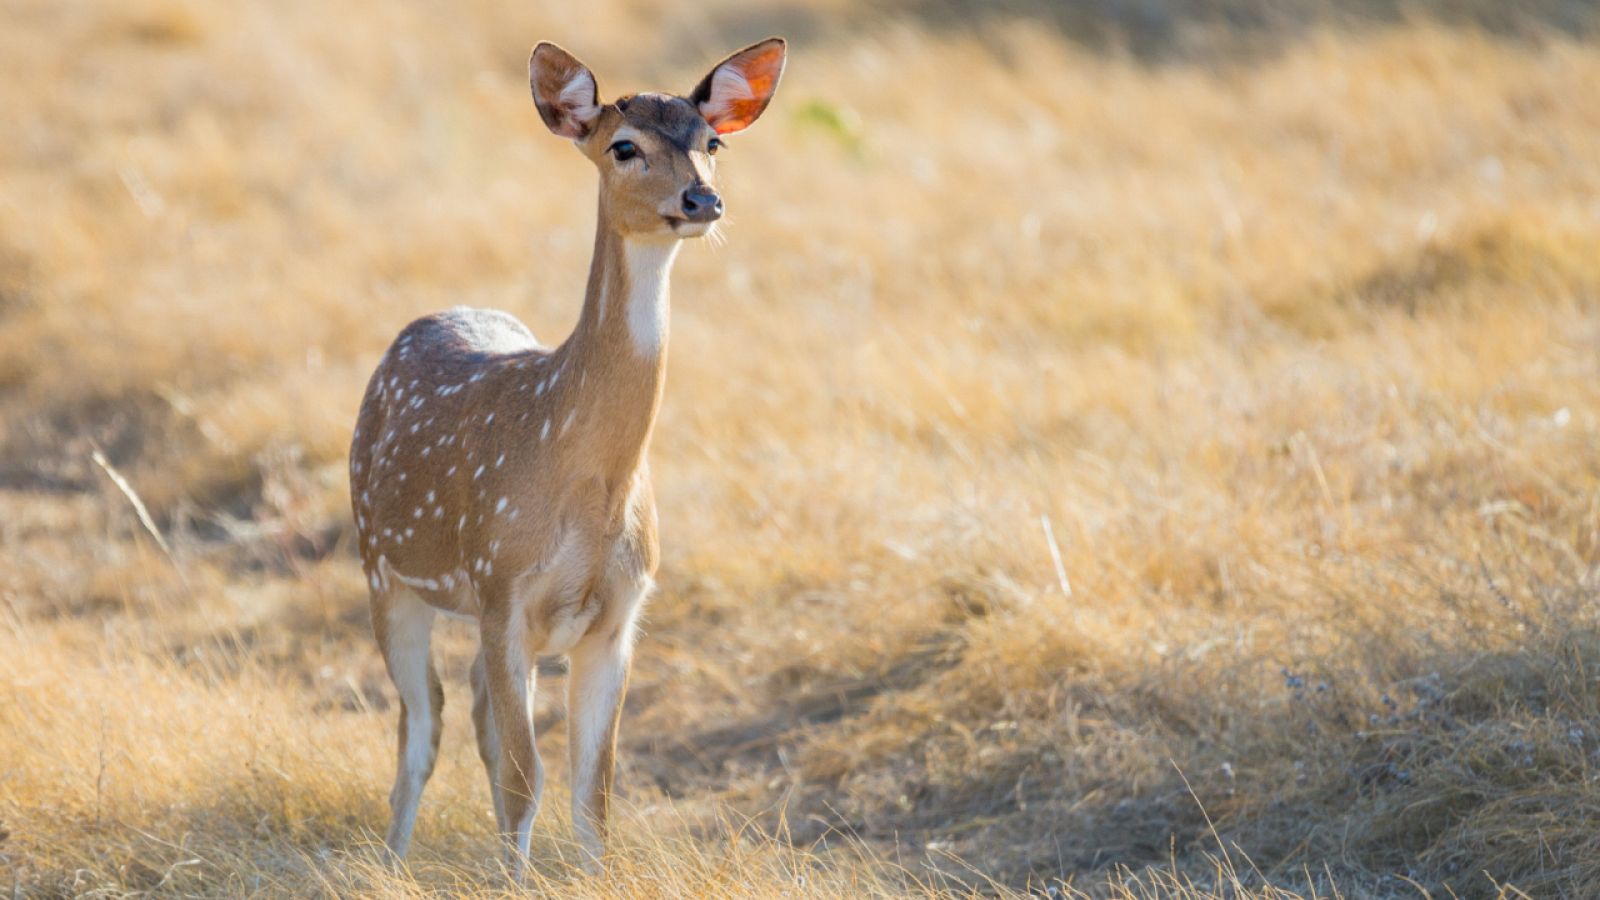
<point x="1123" y="446"/>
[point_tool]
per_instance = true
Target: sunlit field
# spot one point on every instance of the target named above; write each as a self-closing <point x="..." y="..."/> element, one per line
<point x="1138" y="449"/>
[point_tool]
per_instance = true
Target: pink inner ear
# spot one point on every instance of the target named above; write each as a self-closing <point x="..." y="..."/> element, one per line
<point x="565" y="92"/>
<point x="743" y="89"/>
<point x="577" y="99"/>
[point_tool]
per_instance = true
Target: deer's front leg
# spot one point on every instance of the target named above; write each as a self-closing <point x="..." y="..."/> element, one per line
<point x="509" y="676"/>
<point x="597" y="680"/>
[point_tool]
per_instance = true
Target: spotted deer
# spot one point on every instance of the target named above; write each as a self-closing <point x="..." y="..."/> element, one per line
<point x="503" y="481"/>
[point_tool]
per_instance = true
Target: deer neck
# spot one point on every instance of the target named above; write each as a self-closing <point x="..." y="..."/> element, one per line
<point x="617" y="354"/>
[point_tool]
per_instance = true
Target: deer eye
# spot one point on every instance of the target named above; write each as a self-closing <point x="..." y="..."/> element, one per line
<point x="713" y="145"/>
<point x="624" y="150"/>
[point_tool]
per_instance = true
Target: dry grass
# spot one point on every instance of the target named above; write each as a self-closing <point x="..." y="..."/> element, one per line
<point x="1291" y="333"/>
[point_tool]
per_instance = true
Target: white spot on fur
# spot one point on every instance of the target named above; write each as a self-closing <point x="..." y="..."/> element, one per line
<point x="411" y="581"/>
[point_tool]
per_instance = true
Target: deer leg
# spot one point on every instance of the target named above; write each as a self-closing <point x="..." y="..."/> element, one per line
<point x="597" y="681"/>
<point x="509" y="677"/>
<point x="488" y="738"/>
<point x="405" y="629"/>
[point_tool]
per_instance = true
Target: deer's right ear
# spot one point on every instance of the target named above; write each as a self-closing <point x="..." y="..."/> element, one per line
<point x="564" y="90"/>
<point x="739" y="88"/>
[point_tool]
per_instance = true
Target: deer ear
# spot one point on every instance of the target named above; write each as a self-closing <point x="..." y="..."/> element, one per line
<point x="736" y="91"/>
<point x="564" y="90"/>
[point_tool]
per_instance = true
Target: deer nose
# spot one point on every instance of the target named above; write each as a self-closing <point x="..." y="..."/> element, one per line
<point x="702" y="204"/>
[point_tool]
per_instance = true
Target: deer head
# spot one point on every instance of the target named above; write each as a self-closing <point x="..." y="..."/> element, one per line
<point x="656" y="152"/>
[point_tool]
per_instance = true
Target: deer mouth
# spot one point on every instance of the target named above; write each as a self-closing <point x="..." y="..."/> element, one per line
<point x="683" y="227"/>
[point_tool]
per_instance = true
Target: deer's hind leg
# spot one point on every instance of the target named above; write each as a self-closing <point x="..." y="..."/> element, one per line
<point x="488" y="736"/>
<point x="404" y="628"/>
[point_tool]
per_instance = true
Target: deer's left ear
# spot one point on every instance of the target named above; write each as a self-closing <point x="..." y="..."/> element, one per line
<point x="564" y="90"/>
<point x="736" y="91"/>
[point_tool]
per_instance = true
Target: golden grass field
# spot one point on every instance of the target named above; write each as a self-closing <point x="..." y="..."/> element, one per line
<point x="1280" y="322"/>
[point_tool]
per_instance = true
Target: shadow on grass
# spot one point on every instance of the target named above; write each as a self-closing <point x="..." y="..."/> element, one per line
<point x="1167" y="32"/>
<point x="699" y="760"/>
<point x="1473" y="767"/>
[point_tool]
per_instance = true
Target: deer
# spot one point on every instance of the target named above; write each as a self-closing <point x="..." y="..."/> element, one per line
<point x="495" y="479"/>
